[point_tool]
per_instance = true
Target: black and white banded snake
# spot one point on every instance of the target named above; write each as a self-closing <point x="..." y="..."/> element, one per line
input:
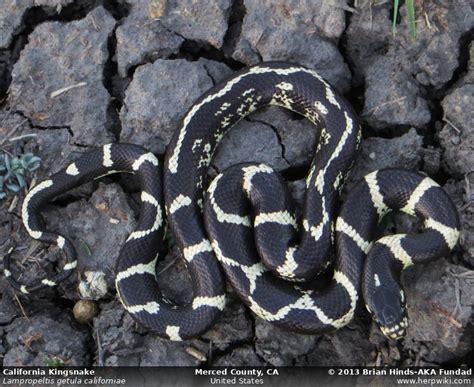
<point x="246" y="225"/>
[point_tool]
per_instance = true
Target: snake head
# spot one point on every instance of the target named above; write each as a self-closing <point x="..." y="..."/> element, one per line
<point x="387" y="306"/>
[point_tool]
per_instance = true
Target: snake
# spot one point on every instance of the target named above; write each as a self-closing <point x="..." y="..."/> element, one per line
<point x="244" y="228"/>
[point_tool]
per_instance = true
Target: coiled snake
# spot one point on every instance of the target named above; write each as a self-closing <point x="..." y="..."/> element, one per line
<point x="246" y="224"/>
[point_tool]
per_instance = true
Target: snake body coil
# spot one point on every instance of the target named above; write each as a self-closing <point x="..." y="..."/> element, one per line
<point x="247" y="221"/>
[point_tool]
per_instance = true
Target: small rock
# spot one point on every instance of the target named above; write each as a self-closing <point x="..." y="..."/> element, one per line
<point x="155" y="104"/>
<point x="201" y="23"/>
<point x="272" y="136"/>
<point x="469" y="76"/>
<point x="296" y="32"/>
<point x="249" y="142"/>
<point x="405" y="151"/>
<point x="201" y="356"/>
<point x="11" y="20"/>
<point x="461" y="193"/>
<point x="93" y="286"/>
<point x="217" y="71"/>
<point x="140" y="41"/>
<point x="368" y="35"/>
<point x="85" y="310"/>
<point x="13" y="13"/>
<point x="437" y="68"/>
<point x="298" y="136"/>
<point x="51" y="62"/>
<point x="457" y="106"/>
<point x="392" y="97"/>
<point x="198" y="21"/>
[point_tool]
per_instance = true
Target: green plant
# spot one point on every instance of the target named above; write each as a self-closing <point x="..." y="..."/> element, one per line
<point x="410" y="5"/>
<point x="14" y="170"/>
<point x="54" y="362"/>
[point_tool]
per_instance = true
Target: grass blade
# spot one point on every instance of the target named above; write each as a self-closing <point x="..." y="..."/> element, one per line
<point x="411" y="17"/>
<point x="395" y="15"/>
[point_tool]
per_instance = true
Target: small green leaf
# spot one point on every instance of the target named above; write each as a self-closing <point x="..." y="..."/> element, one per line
<point x="7" y="162"/>
<point x="25" y="160"/>
<point x="21" y="180"/>
<point x="19" y="171"/>
<point x="12" y="187"/>
<point x="15" y="163"/>
<point x="54" y="362"/>
<point x="34" y="163"/>
<point x="85" y="247"/>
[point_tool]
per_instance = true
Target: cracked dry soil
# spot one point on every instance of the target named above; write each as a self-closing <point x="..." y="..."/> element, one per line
<point x="77" y="74"/>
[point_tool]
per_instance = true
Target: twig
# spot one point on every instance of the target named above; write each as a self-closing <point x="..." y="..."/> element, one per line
<point x="457" y="294"/>
<point x="197" y="354"/>
<point x="371" y="16"/>
<point x="100" y="355"/>
<point x="427" y="20"/>
<point x="7" y="152"/>
<point x="29" y="253"/>
<point x="378" y="360"/>
<point x="375" y="108"/>
<point x="446" y="315"/>
<point x="468" y="188"/>
<point x="12" y="102"/>
<point x="12" y="131"/>
<point x="21" y="307"/>
<point x="349" y="9"/>
<point x="469" y="274"/>
<point x="13" y="204"/>
<point x="58" y="92"/>
<point x="74" y="36"/>
<point x="452" y="125"/>
<point x="22" y="136"/>
<point x="167" y="266"/>
<point x="210" y="350"/>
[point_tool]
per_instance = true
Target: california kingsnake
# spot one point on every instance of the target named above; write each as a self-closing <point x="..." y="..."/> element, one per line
<point x="249" y="222"/>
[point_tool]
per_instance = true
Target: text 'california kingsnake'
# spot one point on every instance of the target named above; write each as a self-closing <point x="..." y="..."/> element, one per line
<point x="249" y="222"/>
